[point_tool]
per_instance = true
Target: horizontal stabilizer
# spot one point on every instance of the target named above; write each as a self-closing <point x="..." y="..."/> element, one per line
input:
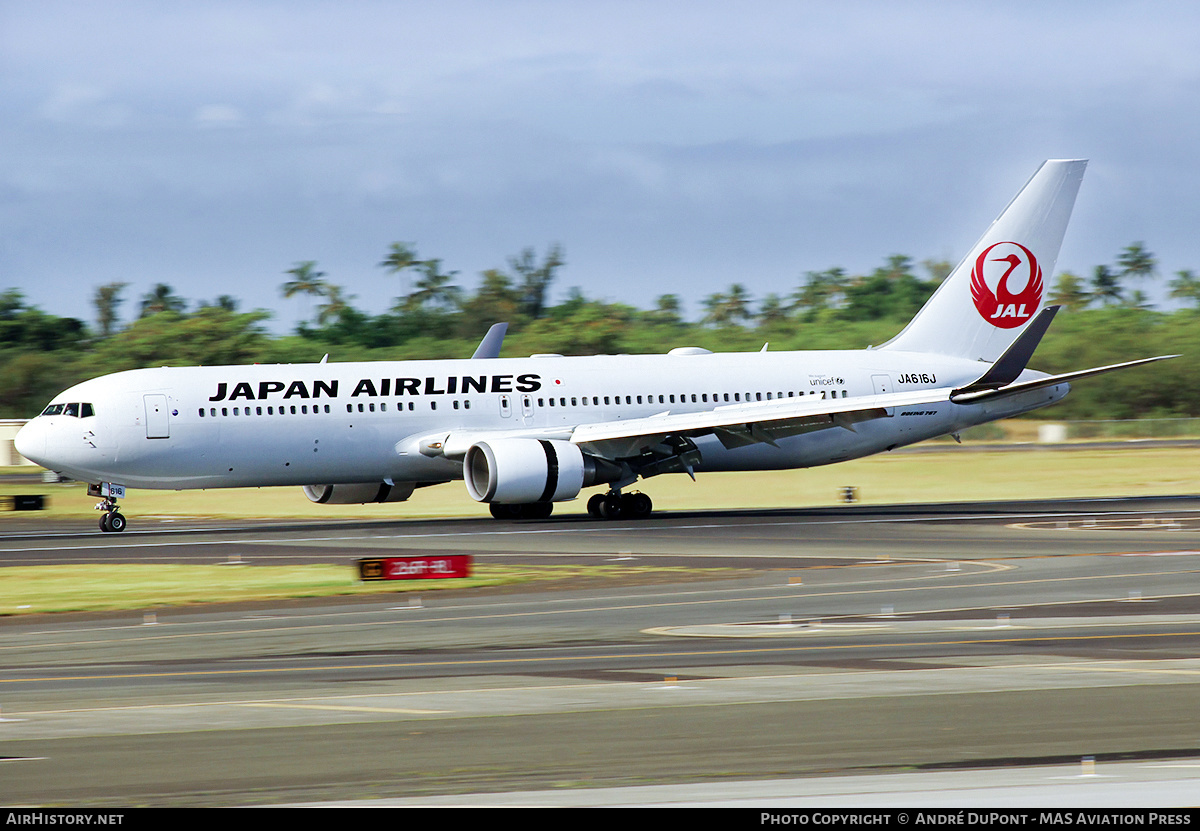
<point x="968" y="396"/>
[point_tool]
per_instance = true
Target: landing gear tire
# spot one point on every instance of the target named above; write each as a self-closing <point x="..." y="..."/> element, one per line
<point x="593" y="505"/>
<point x="636" y="505"/>
<point x="500" y="510"/>
<point x="112" y="521"/>
<point x="611" y="506"/>
<point x="537" y="510"/>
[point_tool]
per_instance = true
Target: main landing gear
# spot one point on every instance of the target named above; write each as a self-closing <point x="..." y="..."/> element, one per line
<point x="112" y="520"/>
<point x="617" y="505"/>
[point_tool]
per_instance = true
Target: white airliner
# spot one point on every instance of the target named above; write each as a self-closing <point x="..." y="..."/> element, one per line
<point x="525" y="433"/>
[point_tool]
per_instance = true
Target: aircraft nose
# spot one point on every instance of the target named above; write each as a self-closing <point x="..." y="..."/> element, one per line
<point x="30" y="441"/>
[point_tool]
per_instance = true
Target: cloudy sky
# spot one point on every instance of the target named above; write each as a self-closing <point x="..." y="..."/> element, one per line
<point x="670" y="147"/>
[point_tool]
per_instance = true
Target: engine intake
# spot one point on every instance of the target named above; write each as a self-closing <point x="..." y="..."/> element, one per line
<point x="520" y="471"/>
<point x="359" y="493"/>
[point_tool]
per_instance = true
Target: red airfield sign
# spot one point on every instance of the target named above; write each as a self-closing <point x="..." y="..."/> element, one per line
<point x="415" y="568"/>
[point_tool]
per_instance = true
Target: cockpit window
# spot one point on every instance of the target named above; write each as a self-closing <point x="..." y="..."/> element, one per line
<point x="74" y="409"/>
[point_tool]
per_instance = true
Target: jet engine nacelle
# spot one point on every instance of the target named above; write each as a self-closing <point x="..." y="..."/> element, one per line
<point x="359" y="493"/>
<point x="520" y="471"/>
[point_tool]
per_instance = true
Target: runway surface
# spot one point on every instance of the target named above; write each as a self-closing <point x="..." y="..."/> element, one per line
<point x="846" y="641"/>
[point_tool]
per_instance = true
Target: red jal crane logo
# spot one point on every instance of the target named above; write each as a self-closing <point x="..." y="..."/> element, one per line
<point x="1013" y="262"/>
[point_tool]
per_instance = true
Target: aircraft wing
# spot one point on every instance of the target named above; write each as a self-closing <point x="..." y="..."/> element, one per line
<point x="737" y="425"/>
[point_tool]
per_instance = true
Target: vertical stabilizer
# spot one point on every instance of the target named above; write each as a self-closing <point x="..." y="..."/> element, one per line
<point x="987" y="301"/>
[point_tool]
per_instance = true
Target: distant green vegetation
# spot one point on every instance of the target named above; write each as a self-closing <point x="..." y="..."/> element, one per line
<point x="1106" y="320"/>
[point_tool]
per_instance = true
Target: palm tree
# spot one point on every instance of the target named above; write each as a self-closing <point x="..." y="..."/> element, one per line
<point x="1069" y="291"/>
<point x="821" y="290"/>
<point x="433" y="288"/>
<point x="1135" y="261"/>
<point x="333" y="307"/>
<point x="535" y="279"/>
<point x="306" y="280"/>
<point x="729" y="309"/>
<point x="1106" y="286"/>
<point x="107" y="299"/>
<point x="668" y="310"/>
<point x="1186" y="286"/>
<point x="402" y="256"/>
<point x="161" y="298"/>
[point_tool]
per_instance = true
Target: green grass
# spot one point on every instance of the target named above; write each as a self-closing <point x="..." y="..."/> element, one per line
<point x="37" y="589"/>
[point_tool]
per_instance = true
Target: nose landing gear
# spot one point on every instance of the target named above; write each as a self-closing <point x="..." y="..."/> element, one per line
<point x="112" y="519"/>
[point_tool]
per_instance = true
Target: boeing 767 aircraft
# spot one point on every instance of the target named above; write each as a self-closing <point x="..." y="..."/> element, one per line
<point x="525" y="433"/>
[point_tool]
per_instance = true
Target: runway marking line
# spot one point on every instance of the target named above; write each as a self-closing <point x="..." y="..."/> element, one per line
<point x="345" y="708"/>
<point x="864" y="675"/>
<point x="792" y="648"/>
<point x="1145" y="669"/>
